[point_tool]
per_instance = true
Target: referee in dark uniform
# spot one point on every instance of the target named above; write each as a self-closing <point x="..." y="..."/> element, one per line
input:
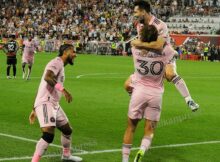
<point x="11" y="48"/>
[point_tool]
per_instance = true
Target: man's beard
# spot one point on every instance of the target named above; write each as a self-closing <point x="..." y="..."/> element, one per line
<point x="141" y="20"/>
<point x="70" y="61"/>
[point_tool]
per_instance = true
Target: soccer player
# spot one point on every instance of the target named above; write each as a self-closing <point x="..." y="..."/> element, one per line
<point x="146" y="98"/>
<point x="29" y="48"/>
<point x="142" y="11"/>
<point x="47" y="108"/>
<point x="11" y="48"/>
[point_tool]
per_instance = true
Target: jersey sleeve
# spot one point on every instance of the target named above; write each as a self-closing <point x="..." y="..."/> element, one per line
<point x="54" y="67"/>
<point x="163" y="30"/>
<point x="170" y="53"/>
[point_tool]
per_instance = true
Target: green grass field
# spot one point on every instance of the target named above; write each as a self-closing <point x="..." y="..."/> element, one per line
<point x="99" y="111"/>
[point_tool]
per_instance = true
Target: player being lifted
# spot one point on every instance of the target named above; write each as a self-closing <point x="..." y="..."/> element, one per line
<point x="11" y="48"/>
<point x="47" y="109"/>
<point x="142" y="12"/>
<point x="29" y="48"/>
<point x="146" y="98"/>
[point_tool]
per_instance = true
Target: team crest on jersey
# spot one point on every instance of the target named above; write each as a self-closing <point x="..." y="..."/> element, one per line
<point x="52" y="119"/>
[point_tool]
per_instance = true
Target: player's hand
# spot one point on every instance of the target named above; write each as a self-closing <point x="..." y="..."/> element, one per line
<point x="67" y="96"/>
<point x="32" y="117"/>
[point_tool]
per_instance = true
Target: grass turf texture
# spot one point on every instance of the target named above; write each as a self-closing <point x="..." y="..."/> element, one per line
<point x="98" y="113"/>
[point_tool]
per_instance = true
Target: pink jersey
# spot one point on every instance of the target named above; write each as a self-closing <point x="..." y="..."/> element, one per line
<point x="46" y="93"/>
<point x="161" y="27"/>
<point x="149" y="68"/>
<point x="30" y="47"/>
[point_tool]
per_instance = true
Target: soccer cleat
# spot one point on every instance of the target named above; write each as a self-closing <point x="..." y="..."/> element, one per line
<point x="192" y="105"/>
<point x="14" y="77"/>
<point x="8" y="77"/>
<point x="139" y="156"/>
<point x="71" y="158"/>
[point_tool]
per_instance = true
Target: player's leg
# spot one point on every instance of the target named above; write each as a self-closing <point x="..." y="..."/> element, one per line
<point x="43" y="143"/>
<point x="128" y="138"/>
<point x="29" y="71"/>
<point x="152" y="116"/>
<point x="135" y="113"/>
<point x="171" y="75"/>
<point x="146" y="140"/>
<point x="14" y="67"/>
<point x="23" y="69"/>
<point x="8" y="71"/>
<point x="66" y="139"/>
<point x="8" y="62"/>
<point x="46" y="117"/>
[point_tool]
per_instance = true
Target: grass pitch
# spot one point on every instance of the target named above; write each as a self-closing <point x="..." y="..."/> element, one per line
<point x="99" y="111"/>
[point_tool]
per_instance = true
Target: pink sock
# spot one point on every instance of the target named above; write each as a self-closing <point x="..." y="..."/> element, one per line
<point x="41" y="147"/>
<point x="145" y="143"/>
<point x="126" y="149"/>
<point x="181" y="86"/>
<point x="66" y="143"/>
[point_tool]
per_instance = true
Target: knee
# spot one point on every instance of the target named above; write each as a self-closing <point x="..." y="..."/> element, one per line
<point x="170" y="75"/>
<point x="48" y="137"/>
<point x="67" y="131"/>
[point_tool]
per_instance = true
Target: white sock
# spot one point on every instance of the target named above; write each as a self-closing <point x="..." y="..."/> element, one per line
<point x="126" y="150"/>
<point x="145" y="143"/>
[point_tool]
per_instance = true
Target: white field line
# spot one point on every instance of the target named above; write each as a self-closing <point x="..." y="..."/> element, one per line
<point x="33" y="141"/>
<point x="113" y="75"/>
<point x="115" y="150"/>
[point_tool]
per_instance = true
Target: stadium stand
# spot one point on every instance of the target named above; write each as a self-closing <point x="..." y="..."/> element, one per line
<point x="52" y="20"/>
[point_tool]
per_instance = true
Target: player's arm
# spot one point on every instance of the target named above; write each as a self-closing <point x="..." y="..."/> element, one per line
<point x="50" y="78"/>
<point x="156" y="45"/>
<point x="32" y="116"/>
<point x="5" y="48"/>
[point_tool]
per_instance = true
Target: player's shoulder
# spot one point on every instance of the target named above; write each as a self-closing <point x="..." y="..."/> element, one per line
<point x="57" y="61"/>
<point x="158" y="22"/>
<point x="168" y="49"/>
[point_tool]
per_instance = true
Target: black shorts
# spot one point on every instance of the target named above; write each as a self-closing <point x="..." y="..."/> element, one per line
<point x="11" y="60"/>
<point x="205" y="53"/>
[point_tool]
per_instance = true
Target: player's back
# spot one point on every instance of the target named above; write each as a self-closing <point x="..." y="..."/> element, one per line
<point x="11" y="46"/>
<point x="150" y="66"/>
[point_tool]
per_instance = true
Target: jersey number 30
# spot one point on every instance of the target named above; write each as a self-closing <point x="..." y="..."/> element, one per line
<point x="146" y="67"/>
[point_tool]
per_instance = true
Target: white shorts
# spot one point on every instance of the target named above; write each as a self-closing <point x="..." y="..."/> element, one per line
<point x="144" y="105"/>
<point x="51" y="116"/>
<point x="29" y="61"/>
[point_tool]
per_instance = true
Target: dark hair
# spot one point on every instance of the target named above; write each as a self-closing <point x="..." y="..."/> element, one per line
<point x="143" y="5"/>
<point x="12" y="36"/>
<point x="63" y="48"/>
<point x="148" y="33"/>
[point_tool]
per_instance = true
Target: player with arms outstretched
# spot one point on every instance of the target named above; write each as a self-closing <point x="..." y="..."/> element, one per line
<point x="47" y="109"/>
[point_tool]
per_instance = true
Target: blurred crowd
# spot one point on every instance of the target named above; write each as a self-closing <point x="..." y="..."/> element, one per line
<point x="199" y="51"/>
<point x="102" y="20"/>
